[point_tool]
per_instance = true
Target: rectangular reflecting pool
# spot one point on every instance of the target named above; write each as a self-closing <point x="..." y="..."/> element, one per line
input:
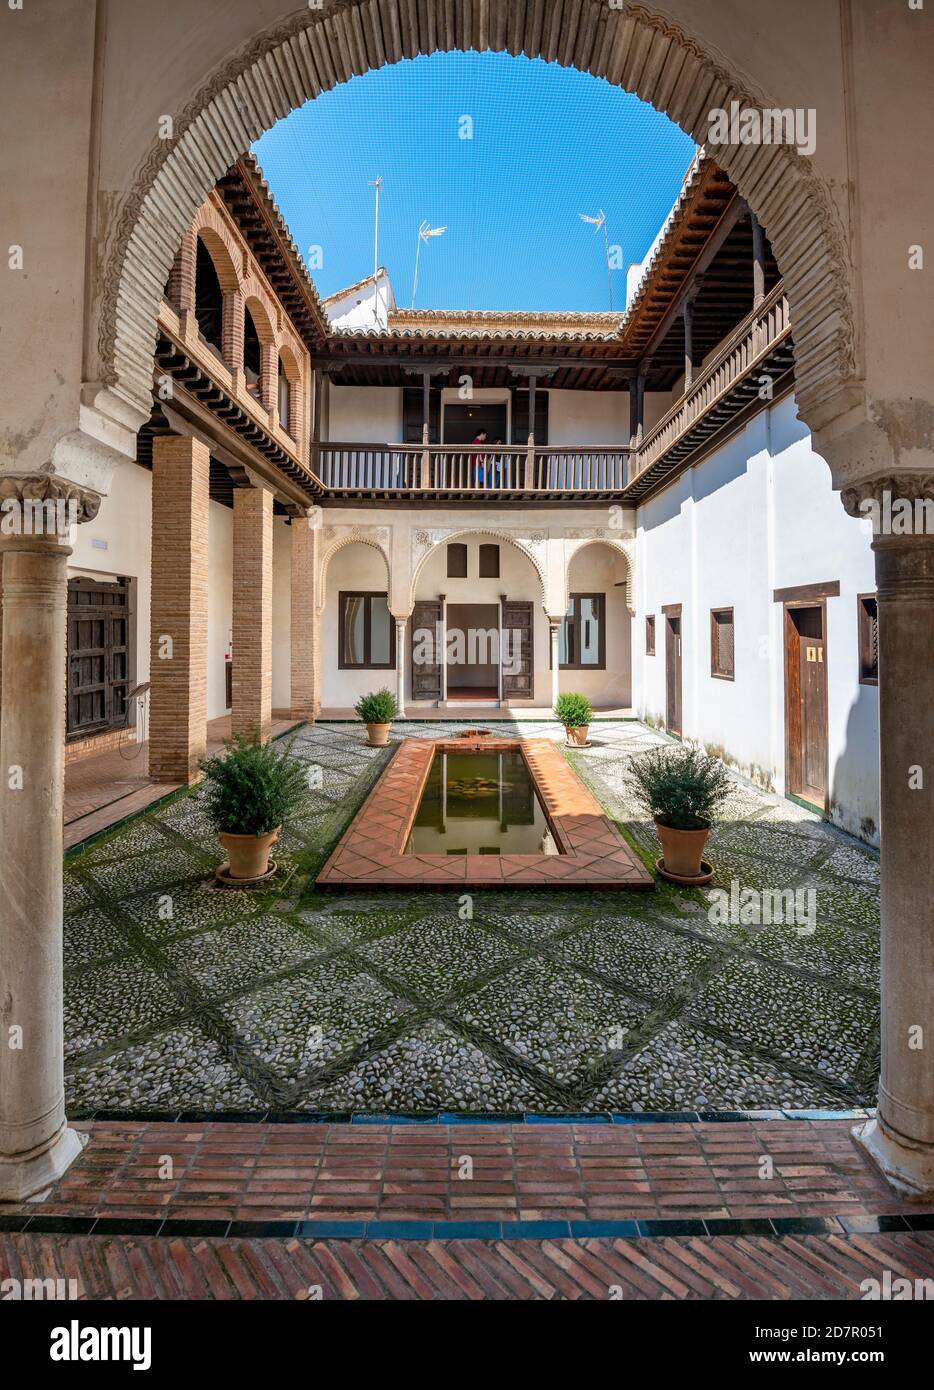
<point x="480" y="803"/>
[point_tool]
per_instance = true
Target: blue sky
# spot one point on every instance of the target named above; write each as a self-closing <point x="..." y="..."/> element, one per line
<point x="547" y="144"/>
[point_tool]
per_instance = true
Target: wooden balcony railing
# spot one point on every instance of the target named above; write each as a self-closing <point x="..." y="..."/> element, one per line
<point x="451" y="470"/>
<point x="750" y="343"/>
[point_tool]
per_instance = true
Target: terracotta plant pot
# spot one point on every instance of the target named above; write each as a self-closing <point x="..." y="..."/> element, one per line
<point x="578" y="736"/>
<point x="377" y="735"/>
<point x="248" y="855"/>
<point x="682" y="850"/>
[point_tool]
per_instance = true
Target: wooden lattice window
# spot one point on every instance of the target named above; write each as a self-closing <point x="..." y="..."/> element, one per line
<point x="868" y="618"/>
<point x="650" y="634"/>
<point x="722" y="656"/>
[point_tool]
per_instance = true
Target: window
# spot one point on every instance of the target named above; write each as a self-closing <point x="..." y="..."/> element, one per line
<point x="650" y="634"/>
<point x="457" y="562"/>
<point x="252" y="353"/>
<point x="581" y="643"/>
<point x="489" y="562"/>
<point x="284" y="398"/>
<point x="367" y="633"/>
<point x="721" y="643"/>
<point x="868" y="617"/>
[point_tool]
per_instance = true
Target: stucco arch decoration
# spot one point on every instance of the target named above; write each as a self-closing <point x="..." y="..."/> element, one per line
<point x="631" y="47"/>
<point x="335" y="538"/>
<point x="625" y="548"/>
<point x="425" y="543"/>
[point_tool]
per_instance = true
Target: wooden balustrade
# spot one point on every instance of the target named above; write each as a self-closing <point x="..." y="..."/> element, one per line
<point x="471" y="468"/>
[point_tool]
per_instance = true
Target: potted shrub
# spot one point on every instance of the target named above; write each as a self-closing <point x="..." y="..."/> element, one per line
<point x="682" y="790"/>
<point x="377" y="710"/>
<point x="252" y="789"/>
<point x="575" y="713"/>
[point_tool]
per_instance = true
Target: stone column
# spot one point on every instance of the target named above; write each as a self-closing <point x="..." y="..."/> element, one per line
<point x="400" y="663"/>
<point x="179" y="606"/>
<point x="901" y="1138"/>
<point x="36" y="1146"/>
<point x="305" y="697"/>
<point x="554" y="633"/>
<point x="251" y="710"/>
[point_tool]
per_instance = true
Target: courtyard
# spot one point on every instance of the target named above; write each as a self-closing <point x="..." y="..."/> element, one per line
<point x="184" y="997"/>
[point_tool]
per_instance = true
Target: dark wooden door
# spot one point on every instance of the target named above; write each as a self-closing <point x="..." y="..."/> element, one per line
<point x="806" y="703"/>
<point x="673" y="672"/>
<point x="100" y="659"/>
<point x="517" y="656"/>
<point x="426" y="650"/>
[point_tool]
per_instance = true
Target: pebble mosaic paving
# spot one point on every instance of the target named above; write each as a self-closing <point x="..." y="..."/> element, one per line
<point x="183" y="996"/>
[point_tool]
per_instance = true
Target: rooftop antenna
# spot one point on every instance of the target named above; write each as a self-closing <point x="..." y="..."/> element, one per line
<point x="376" y="183"/>
<point x="598" y="222"/>
<point x="424" y="232"/>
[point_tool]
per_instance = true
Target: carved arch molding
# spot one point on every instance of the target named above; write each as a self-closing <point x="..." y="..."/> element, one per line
<point x="318" y="49"/>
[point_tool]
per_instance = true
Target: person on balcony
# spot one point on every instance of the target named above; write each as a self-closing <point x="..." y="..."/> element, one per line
<point x="478" y="463"/>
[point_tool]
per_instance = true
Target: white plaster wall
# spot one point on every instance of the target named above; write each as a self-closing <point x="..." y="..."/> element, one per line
<point x="367" y="307"/>
<point x="281" y="613"/>
<point x="118" y="543"/>
<point x="365" y="414"/>
<point x="220" y="604"/>
<point x="758" y="515"/>
<point x="596" y="569"/>
<point x="355" y="567"/>
<point x="588" y="417"/>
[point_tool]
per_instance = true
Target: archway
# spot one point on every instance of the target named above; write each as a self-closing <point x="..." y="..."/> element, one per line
<point x="595" y="645"/>
<point x="313" y="52"/>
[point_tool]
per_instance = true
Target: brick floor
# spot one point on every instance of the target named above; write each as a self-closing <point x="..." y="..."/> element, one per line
<point x="718" y="1268"/>
<point x="769" y="1169"/>
<point x="592" y="854"/>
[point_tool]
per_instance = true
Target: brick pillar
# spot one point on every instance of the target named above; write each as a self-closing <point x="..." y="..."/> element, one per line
<point x="305" y="697"/>
<point x="180" y="290"/>
<point x="179" y="640"/>
<point x="232" y="330"/>
<point x="251" y="711"/>
<point x="269" y="377"/>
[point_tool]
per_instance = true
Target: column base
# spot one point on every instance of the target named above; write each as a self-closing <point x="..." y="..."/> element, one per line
<point x="26" y="1174"/>
<point x="908" y="1168"/>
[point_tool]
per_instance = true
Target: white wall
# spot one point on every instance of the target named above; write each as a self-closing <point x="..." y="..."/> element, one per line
<point x="354" y="568"/>
<point x="220" y="604"/>
<point x="366" y="307"/>
<point x="596" y="569"/>
<point x="588" y="417"/>
<point x="365" y="414"/>
<point x="759" y="515"/>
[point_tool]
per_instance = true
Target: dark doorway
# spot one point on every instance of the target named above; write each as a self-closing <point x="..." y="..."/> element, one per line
<point x="463" y="422"/>
<point x="806" y="703"/>
<point x="673" y="668"/>
<point x="473" y="651"/>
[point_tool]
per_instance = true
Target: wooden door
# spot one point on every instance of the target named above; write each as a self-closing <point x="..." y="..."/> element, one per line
<point x="518" y="649"/>
<point x="100" y="659"/>
<point x="806" y="703"/>
<point x="673" y="672"/>
<point x="426" y="650"/>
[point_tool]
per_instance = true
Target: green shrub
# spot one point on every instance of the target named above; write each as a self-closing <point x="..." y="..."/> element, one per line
<point x="253" y="787"/>
<point x="573" y="711"/>
<point x="680" y="787"/>
<point x="379" y="707"/>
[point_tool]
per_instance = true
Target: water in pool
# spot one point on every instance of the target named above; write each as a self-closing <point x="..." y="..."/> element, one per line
<point x="480" y="803"/>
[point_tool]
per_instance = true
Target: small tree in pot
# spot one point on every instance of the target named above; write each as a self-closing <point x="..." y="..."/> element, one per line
<point x="252" y="789"/>
<point x="377" y="710"/>
<point x="682" y="790"/>
<point x="575" y="713"/>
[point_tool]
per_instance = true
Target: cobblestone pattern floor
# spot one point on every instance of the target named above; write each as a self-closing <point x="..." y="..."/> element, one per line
<point x="179" y="995"/>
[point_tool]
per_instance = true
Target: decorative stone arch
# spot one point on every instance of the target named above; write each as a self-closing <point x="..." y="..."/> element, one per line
<point x="221" y="246"/>
<point x="647" y="55"/>
<point x="426" y="543"/>
<point x="625" y="548"/>
<point x="338" y="538"/>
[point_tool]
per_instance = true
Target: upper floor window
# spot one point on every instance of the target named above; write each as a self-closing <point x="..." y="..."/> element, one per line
<point x="650" y="634"/>
<point x="457" y="562"/>
<point x="285" y="398"/>
<point x="209" y="298"/>
<point x="489" y="562"/>
<point x="252" y="353"/>
<point x="582" y="640"/>
<point x="722" y="658"/>
<point x="367" y="632"/>
<point x="868" y="618"/>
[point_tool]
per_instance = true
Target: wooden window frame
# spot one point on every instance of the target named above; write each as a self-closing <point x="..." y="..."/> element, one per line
<point x="489" y="548"/>
<point x="719" y="675"/>
<point x="574" y="601"/>
<point x="457" y="546"/>
<point x="650" y="634"/>
<point x="366" y="664"/>
<point x="862" y="625"/>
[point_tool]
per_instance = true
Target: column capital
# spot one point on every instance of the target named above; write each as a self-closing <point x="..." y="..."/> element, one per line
<point x="42" y="506"/>
<point x="876" y="497"/>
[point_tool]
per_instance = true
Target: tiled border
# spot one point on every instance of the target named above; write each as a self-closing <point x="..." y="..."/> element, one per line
<point x="456" y="1117"/>
<point x="593" y="853"/>
<point x="325" y="1229"/>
